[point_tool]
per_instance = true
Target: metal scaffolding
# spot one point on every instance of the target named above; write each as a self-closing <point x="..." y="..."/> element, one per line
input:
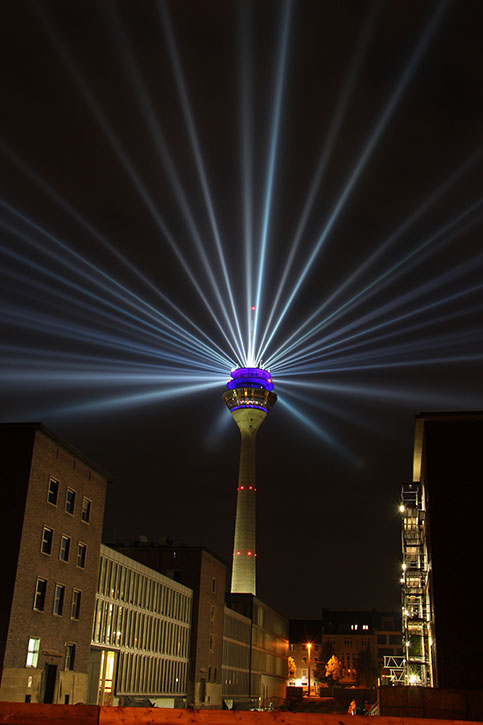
<point x="416" y="606"/>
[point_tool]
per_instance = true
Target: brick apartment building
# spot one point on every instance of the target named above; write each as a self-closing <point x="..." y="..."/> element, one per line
<point x="53" y="503"/>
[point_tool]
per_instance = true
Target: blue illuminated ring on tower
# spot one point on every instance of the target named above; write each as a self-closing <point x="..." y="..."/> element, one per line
<point x="250" y="388"/>
<point x="250" y="378"/>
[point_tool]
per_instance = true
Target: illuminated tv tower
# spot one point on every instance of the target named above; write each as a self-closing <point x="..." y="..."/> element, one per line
<point x="249" y="398"/>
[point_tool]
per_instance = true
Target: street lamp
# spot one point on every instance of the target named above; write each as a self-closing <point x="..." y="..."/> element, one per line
<point x="309" y="646"/>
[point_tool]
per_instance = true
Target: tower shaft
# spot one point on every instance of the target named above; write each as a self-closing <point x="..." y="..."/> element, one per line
<point x="243" y="577"/>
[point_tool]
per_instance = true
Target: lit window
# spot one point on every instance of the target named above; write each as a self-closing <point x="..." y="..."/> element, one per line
<point x="33" y="651"/>
<point x="40" y="592"/>
<point x="86" y="510"/>
<point x="365" y="626"/>
<point x="81" y="554"/>
<point x="59" y="599"/>
<point x="53" y="492"/>
<point x="75" y="606"/>
<point x="64" y="548"/>
<point x="70" y="501"/>
<point x="47" y="538"/>
<point x="69" y="655"/>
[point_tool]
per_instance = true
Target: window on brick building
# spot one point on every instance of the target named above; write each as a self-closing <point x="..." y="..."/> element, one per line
<point x="40" y="592"/>
<point x="86" y="510"/>
<point x="81" y="554"/>
<point x="69" y="656"/>
<point x="53" y="491"/>
<point x="33" y="650"/>
<point x="64" y="548"/>
<point x="70" y="501"/>
<point x="47" y="539"/>
<point x="76" y="603"/>
<point x="59" y="599"/>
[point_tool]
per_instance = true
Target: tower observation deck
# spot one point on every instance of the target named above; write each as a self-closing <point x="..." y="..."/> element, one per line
<point x="249" y="398"/>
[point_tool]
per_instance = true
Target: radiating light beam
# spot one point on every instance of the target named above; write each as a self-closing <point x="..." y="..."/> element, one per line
<point x="409" y="396"/>
<point x="127" y="164"/>
<point x="108" y="404"/>
<point x="289" y="404"/>
<point x="246" y="166"/>
<point x="367" y="152"/>
<point x="202" y="175"/>
<point x="270" y="175"/>
<point x="325" y="346"/>
<point x="445" y="234"/>
<point x="161" y="147"/>
<point x="121" y="293"/>
<point x="42" y="183"/>
<point x="333" y="132"/>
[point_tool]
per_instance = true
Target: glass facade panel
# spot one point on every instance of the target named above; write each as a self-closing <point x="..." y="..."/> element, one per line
<point x="147" y="618"/>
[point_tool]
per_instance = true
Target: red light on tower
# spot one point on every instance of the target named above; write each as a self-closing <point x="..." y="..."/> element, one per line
<point x="253" y="308"/>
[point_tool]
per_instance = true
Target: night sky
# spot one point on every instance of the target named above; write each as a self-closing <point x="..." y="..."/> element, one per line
<point x="134" y="135"/>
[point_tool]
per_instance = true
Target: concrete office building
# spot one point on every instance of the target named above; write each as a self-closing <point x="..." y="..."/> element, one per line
<point x="235" y="677"/>
<point x="205" y="574"/>
<point x="140" y="635"/>
<point x="249" y="398"/>
<point x="53" y="503"/>
<point x="255" y="655"/>
<point x="442" y="547"/>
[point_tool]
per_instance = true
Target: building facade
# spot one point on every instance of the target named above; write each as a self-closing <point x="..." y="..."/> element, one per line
<point x="305" y="650"/>
<point x="205" y="574"/>
<point x="235" y="671"/>
<point x="141" y="635"/>
<point x="267" y="671"/>
<point x="347" y="633"/>
<point x="53" y="499"/>
<point x="441" y="549"/>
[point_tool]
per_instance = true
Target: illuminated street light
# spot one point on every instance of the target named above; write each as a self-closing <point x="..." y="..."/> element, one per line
<point x="309" y="647"/>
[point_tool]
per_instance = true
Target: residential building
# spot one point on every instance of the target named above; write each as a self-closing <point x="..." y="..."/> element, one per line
<point x="305" y="649"/>
<point x="140" y="635"/>
<point x="441" y="549"/>
<point x="53" y="503"/>
<point x="346" y="633"/>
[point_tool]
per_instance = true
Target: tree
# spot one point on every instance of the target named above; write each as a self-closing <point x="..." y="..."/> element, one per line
<point x="366" y="668"/>
<point x="292" y="670"/>
<point x="333" y="670"/>
<point x="326" y="652"/>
